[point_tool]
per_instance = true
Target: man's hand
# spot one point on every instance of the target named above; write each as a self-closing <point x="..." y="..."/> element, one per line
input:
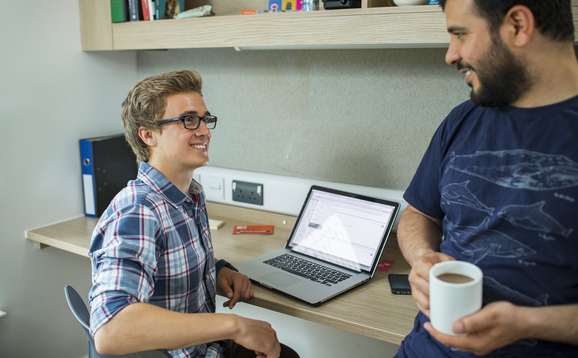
<point x="236" y="286"/>
<point x="494" y="326"/>
<point x="258" y="336"/>
<point x="419" y="278"/>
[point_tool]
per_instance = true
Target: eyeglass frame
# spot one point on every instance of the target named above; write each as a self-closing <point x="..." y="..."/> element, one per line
<point x="182" y="119"/>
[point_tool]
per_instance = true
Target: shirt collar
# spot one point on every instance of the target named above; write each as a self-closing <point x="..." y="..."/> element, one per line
<point x="153" y="178"/>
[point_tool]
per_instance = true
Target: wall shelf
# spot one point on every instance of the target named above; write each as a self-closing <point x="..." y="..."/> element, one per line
<point x="369" y="27"/>
<point x="409" y="26"/>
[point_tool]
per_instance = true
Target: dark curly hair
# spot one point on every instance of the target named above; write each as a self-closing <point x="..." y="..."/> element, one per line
<point x="553" y="17"/>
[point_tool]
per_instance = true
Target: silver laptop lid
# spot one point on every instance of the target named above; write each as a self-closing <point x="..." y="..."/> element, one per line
<point x="345" y="229"/>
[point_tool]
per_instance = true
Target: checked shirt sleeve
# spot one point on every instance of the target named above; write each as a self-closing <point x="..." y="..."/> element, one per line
<point x="124" y="257"/>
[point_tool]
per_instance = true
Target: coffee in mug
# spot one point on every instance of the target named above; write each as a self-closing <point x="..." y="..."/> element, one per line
<point x="454" y="278"/>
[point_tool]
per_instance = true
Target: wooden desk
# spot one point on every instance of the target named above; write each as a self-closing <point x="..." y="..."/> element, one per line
<point x="370" y="309"/>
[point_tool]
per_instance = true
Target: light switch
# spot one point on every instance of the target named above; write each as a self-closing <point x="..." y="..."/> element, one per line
<point x="214" y="187"/>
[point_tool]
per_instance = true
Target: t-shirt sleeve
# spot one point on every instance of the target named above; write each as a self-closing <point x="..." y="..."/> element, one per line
<point x="424" y="192"/>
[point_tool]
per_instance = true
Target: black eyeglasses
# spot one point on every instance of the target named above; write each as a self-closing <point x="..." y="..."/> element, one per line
<point x="192" y="122"/>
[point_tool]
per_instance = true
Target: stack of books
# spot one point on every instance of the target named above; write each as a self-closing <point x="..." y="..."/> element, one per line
<point x="147" y="10"/>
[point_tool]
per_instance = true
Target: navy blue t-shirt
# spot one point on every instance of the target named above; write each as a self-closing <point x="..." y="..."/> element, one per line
<point x="504" y="181"/>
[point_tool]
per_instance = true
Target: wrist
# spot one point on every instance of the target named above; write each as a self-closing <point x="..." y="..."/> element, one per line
<point x="223" y="263"/>
<point x="230" y="325"/>
<point x="531" y="321"/>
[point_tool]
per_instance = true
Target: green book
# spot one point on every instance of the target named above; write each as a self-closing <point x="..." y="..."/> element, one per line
<point x="119" y="10"/>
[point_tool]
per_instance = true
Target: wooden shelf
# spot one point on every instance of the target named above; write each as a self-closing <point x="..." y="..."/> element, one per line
<point x="309" y="29"/>
<point x="409" y="26"/>
<point x="375" y="25"/>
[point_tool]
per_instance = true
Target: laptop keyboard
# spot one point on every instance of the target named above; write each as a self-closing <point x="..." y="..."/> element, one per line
<point x="308" y="269"/>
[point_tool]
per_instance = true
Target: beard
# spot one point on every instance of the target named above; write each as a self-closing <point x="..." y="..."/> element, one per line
<point x="502" y="78"/>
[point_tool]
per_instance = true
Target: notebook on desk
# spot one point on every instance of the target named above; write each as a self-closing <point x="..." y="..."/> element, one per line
<point x="334" y="246"/>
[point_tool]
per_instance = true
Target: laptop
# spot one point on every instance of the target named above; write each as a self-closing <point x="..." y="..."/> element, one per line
<point x="334" y="246"/>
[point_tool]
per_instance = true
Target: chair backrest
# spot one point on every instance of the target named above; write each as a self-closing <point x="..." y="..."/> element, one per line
<point x="78" y="307"/>
<point x="81" y="313"/>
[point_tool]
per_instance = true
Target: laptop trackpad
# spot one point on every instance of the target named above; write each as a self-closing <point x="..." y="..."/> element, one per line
<point x="279" y="279"/>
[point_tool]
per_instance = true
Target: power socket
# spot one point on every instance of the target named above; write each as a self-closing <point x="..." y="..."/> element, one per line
<point x="246" y="192"/>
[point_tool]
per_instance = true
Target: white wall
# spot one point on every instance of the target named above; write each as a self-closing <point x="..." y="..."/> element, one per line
<point x="51" y="95"/>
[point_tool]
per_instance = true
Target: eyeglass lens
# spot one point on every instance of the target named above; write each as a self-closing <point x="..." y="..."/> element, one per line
<point x="193" y="122"/>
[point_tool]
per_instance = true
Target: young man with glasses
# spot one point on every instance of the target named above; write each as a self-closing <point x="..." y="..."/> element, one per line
<point x="154" y="272"/>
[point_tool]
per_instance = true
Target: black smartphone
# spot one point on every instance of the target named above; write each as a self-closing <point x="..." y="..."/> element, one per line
<point x="399" y="284"/>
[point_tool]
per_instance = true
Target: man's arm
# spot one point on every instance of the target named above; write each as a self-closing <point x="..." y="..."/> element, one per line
<point x="419" y="238"/>
<point x="142" y="326"/>
<point x="497" y="324"/>
<point x="418" y="234"/>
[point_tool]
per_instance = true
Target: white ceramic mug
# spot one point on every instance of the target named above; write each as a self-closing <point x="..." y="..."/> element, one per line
<point x="451" y="300"/>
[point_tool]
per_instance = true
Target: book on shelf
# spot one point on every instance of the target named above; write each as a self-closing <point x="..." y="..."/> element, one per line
<point x="119" y="10"/>
<point x="146" y="14"/>
<point x="156" y="7"/>
<point x="169" y="8"/>
<point x="133" y="7"/>
<point x="153" y="9"/>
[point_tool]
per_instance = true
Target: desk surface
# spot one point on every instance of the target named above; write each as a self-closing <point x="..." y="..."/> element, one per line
<point x="370" y="309"/>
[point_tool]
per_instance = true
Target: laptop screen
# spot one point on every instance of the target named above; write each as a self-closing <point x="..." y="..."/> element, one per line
<point x="345" y="229"/>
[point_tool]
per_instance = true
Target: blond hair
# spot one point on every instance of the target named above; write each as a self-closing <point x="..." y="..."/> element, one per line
<point x="146" y="103"/>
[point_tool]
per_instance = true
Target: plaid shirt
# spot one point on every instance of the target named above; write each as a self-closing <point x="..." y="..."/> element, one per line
<point x="153" y="245"/>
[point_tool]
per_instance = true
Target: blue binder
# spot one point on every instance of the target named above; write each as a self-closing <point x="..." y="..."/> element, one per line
<point x="107" y="163"/>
